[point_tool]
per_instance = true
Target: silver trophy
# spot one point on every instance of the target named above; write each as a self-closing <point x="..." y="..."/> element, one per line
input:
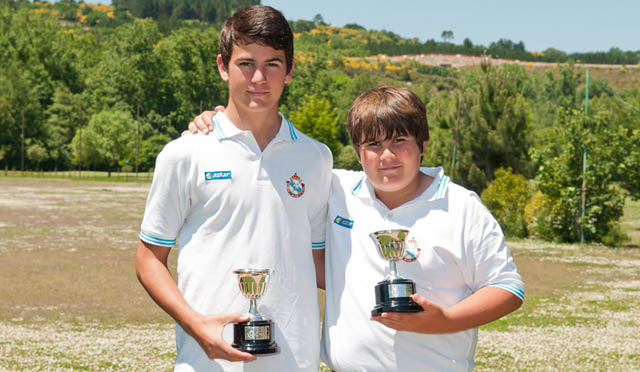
<point x="393" y="294"/>
<point x="256" y="335"/>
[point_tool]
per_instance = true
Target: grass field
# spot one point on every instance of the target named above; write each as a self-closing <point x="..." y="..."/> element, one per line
<point x="70" y="301"/>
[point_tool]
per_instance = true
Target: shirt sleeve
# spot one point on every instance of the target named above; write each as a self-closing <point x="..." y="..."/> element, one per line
<point x="318" y="215"/>
<point x="491" y="262"/>
<point x="168" y="201"/>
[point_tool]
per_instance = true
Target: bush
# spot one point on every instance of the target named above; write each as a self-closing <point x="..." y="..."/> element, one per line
<point x="538" y="216"/>
<point x="506" y="198"/>
<point x="347" y="159"/>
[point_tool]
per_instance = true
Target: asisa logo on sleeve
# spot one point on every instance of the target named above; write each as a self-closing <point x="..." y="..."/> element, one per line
<point x="344" y="222"/>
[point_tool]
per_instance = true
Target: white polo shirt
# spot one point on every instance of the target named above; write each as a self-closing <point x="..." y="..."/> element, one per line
<point x="461" y="249"/>
<point x="229" y="206"/>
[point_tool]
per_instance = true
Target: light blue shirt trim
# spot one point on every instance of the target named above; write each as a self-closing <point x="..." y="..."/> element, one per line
<point x="318" y="245"/>
<point x="156" y="241"/>
<point x="218" y="129"/>
<point x="358" y="186"/>
<point x="510" y="288"/>
<point x="292" y="131"/>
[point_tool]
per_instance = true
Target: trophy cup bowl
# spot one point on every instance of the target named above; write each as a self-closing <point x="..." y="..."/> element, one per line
<point x="393" y="294"/>
<point x="254" y="336"/>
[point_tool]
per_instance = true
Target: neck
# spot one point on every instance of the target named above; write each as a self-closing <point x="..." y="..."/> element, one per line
<point x="264" y="125"/>
<point x="394" y="199"/>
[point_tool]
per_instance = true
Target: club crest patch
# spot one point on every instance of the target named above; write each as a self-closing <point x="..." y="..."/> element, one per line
<point x="295" y="186"/>
<point x="411" y="251"/>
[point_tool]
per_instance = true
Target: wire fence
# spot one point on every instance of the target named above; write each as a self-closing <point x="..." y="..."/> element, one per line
<point x="83" y="175"/>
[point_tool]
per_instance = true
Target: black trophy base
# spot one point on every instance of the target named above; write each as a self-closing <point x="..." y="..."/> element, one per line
<point x="395" y="296"/>
<point x="254" y="337"/>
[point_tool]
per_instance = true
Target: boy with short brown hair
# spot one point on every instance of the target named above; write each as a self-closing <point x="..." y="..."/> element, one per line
<point x="464" y="273"/>
<point x="251" y="196"/>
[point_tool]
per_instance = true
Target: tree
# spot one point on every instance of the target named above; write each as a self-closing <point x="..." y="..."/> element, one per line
<point x="555" y="55"/>
<point x="109" y="138"/>
<point x="149" y="150"/>
<point x="354" y="26"/>
<point x="37" y="154"/>
<point x="347" y="159"/>
<point x="560" y="178"/>
<point x="447" y="36"/>
<point x="317" y="119"/>
<point x="63" y="117"/>
<point x="493" y="126"/>
<point x="318" y="20"/>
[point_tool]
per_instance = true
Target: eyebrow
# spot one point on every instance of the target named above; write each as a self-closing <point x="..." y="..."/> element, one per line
<point x="274" y="59"/>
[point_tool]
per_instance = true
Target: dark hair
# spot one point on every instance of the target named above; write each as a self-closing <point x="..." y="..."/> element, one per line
<point x="257" y="24"/>
<point x="384" y="112"/>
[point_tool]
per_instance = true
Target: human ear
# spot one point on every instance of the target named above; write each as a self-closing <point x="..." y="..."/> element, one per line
<point x="290" y="74"/>
<point x="424" y="147"/>
<point x="224" y="73"/>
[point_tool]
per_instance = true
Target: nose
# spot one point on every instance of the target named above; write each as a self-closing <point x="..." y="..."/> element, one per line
<point x="258" y="76"/>
<point x="387" y="153"/>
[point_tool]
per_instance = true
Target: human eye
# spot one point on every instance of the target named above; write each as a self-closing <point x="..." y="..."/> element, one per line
<point x="400" y="139"/>
<point x="372" y="143"/>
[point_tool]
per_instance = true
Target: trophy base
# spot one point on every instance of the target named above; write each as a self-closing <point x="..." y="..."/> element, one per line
<point x="254" y="337"/>
<point x="395" y="296"/>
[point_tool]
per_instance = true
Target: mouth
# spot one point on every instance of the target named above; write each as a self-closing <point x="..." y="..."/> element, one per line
<point x="258" y="93"/>
<point x="389" y="168"/>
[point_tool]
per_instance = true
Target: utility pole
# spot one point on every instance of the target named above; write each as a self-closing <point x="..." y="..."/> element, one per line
<point x="455" y="142"/>
<point x="584" y="163"/>
<point x="80" y="143"/>
<point x="22" y="151"/>
<point x="137" y="142"/>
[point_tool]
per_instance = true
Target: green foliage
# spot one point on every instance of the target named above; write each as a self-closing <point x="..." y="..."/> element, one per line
<point x="317" y="119"/>
<point x="560" y="177"/>
<point x="37" y="154"/>
<point x="149" y="150"/>
<point x="493" y="127"/>
<point x="347" y="159"/>
<point x="203" y="10"/>
<point x="109" y="138"/>
<point x="63" y="118"/>
<point x="539" y="216"/>
<point x="506" y="197"/>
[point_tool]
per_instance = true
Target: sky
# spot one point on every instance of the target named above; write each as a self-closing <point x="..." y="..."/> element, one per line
<point x="568" y="25"/>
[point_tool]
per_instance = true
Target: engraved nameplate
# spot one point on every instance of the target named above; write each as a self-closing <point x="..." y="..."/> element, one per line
<point x="256" y="333"/>
<point x="400" y="290"/>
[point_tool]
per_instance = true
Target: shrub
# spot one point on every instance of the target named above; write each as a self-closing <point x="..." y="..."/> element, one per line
<point x="538" y="216"/>
<point x="506" y="198"/>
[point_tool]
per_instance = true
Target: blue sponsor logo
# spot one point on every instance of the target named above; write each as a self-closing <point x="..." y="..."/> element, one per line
<point x="217" y="175"/>
<point x="344" y="222"/>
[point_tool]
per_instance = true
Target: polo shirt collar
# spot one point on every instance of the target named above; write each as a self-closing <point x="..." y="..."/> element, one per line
<point x="363" y="189"/>
<point x="225" y="129"/>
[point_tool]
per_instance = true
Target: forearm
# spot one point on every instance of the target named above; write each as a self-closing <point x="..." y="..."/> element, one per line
<point x="153" y="274"/>
<point x="482" y="307"/>
<point x="318" y="260"/>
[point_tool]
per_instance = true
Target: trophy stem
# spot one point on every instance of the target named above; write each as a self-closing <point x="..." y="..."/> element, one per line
<point x="393" y="270"/>
<point x="253" y="310"/>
